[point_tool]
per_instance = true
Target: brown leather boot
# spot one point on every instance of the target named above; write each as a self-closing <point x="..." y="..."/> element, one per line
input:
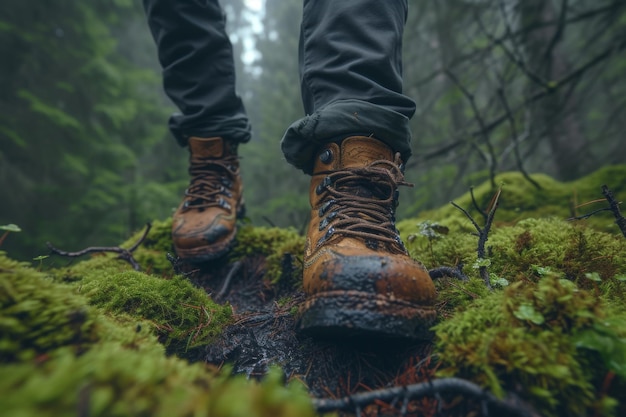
<point x="358" y="276"/>
<point x="204" y="224"/>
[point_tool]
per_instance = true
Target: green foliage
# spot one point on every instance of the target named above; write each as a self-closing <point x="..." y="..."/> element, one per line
<point x="152" y="253"/>
<point x="549" y="339"/>
<point x="112" y="381"/>
<point x="10" y="228"/>
<point x="90" y="347"/>
<point x="520" y="200"/>
<point x="80" y="121"/>
<point x="39" y="316"/>
<point x="183" y="316"/>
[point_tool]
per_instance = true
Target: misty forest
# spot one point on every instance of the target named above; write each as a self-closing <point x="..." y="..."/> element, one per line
<point x="519" y="170"/>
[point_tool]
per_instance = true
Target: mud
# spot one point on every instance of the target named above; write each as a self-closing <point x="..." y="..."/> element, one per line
<point x="264" y="334"/>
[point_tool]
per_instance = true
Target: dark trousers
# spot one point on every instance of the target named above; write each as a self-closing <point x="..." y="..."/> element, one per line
<point x="350" y="70"/>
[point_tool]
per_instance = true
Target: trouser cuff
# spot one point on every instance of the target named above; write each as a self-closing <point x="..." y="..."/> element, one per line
<point x="341" y="119"/>
<point x="233" y="129"/>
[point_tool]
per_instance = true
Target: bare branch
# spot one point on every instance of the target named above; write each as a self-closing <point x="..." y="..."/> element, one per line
<point x="558" y="33"/>
<point x="124" y="254"/>
<point x="435" y="387"/>
<point x="614" y="206"/>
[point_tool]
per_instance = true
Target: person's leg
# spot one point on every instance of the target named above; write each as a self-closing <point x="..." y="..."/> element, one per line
<point x="351" y="77"/>
<point x="357" y="273"/>
<point x="199" y="77"/>
<point x="198" y="69"/>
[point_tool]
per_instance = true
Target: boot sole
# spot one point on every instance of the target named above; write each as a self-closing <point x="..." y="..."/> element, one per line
<point x="356" y="314"/>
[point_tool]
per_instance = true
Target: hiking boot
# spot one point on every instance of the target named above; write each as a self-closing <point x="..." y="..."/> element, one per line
<point x="358" y="276"/>
<point x="204" y="224"/>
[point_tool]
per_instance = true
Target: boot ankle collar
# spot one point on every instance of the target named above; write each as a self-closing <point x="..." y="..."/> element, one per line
<point x="352" y="152"/>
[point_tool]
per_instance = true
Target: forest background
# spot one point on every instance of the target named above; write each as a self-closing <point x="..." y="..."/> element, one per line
<point x="86" y="158"/>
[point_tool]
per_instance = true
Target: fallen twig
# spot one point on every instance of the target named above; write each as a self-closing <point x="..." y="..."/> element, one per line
<point x="614" y="206"/>
<point x="483" y="233"/>
<point x="233" y="271"/>
<point x="124" y="254"/>
<point x="423" y="389"/>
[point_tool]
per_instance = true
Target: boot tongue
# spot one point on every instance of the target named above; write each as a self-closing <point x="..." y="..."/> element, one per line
<point x="360" y="151"/>
<point x="206" y="147"/>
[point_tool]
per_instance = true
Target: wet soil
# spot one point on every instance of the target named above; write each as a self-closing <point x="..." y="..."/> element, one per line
<point x="264" y="333"/>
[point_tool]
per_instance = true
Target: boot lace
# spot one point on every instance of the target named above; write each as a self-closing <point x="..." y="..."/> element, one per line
<point x="211" y="179"/>
<point x="361" y="203"/>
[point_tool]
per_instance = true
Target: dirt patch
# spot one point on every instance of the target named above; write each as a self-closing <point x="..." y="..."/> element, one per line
<point x="265" y="334"/>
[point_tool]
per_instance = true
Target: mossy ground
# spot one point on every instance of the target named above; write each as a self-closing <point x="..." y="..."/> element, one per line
<point x="97" y="338"/>
<point x="94" y="340"/>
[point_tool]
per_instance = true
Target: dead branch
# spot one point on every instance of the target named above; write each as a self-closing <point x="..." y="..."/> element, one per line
<point x="517" y="60"/>
<point x="483" y="232"/>
<point x="123" y="254"/>
<point x="233" y="271"/>
<point x="614" y="207"/>
<point x="437" y="387"/>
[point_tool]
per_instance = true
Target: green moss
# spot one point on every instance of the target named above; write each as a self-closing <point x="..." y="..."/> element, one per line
<point x="37" y="316"/>
<point x="521" y="200"/>
<point x="519" y="250"/>
<point x="183" y="315"/>
<point x="152" y="253"/>
<point x="538" y="338"/>
<point x="65" y="353"/>
<point x="283" y="249"/>
<point x="111" y="381"/>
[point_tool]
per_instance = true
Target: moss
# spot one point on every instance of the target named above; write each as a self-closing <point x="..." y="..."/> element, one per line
<point x="65" y="353"/>
<point x="152" y="253"/>
<point x="283" y="249"/>
<point x="521" y="200"/>
<point x="183" y="315"/>
<point x="538" y="338"/>
<point x="522" y="249"/>
<point x="37" y="316"/>
<point x="112" y="381"/>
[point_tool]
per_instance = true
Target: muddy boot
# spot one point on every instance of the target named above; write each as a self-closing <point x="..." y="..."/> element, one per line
<point x="358" y="277"/>
<point x="204" y="224"/>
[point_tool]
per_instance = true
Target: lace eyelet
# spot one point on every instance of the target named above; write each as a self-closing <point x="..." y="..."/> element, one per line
<point x="322" y="186"/>
<point x="324" y="238"/>
<point x="325" y="207"/>
<point x="327" y="156"/>
<point x="186" y="204"/>
<point x="224" y="204"/>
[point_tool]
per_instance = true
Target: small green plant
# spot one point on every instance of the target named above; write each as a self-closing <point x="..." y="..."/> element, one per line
<point x="8" y="228"/>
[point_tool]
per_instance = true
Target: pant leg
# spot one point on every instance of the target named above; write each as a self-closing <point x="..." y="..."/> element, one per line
<point x="198" y="69"/>
<point x="351" y="77"/>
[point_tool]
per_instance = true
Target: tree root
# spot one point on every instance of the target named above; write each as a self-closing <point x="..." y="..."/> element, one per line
<point x="511" y="406"/>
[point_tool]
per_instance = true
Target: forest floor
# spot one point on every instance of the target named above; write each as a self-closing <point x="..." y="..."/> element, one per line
<point x="537" y="327"/>
<point x="264" y="334"/>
